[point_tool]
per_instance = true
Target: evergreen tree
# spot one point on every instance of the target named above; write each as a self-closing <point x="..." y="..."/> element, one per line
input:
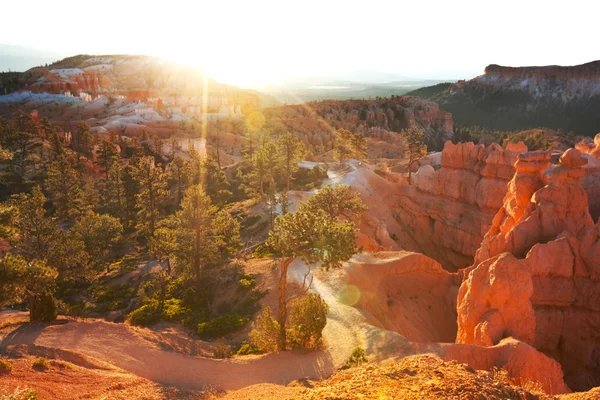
<point x="291" y="150"/>
<point x="152" y="193"/>
<point x="102" y="235"/>
<point x="415" y="147"/>
<point x="314" y="236"/>
<point x="200" y="237"/>
<point x="342" y="145"/>
<point x="180" y="174"/>
<point x="66" y="188"/>
<point x="214" y="180"/>
<point x="107" y="155"/>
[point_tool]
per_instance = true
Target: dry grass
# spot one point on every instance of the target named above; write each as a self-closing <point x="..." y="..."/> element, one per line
<point x="417" y="377"/>
<point x="41" y="364"/>
<point x="13" y="320"/>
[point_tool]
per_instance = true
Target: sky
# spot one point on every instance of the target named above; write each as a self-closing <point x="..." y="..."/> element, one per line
<point x="259" y="42"/>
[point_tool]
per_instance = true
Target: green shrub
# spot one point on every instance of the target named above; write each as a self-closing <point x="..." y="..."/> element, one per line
<point x="307" y="319"/>
<point x="5" y="367"/>
<point x="174" y="310"/>
<point x="219" y="327"/>
<point x="265" y="332"/>
<point x="356" y="359"/>
<point x="247" y="282"/>
<point x="41" y="364"/>
<point x="110" y="298"/>
<point x="248" y="349"/>
<point x="145" y="315"/>
<point x="75" y="310"/>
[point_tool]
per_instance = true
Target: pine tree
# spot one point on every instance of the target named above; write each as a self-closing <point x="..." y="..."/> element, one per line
<point x="291" y="150"/>
<point x="203" y="235"/>
<point x="107" y="154"/>
<point x="66" y="188"/>
<point x="214" y="180"/>
<point x="342" y="145"/>
<point x="180" y="172"/>
<point x="415" y="146"/>
<point x="153" y="191"/>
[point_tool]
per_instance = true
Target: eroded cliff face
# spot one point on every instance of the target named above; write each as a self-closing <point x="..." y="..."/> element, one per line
<point x="138" y="78"/>
<point x="536" y="276"/>
<point x="447" y="212"/>
<point x="521" y="98"/>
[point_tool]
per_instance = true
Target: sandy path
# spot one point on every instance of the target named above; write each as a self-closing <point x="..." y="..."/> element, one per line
<point x="119" y="345"/>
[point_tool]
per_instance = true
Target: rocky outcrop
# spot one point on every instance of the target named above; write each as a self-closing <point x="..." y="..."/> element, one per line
<point x="534" y="212"/>
<point x="536" y="275"/>
<point x="522" y="362"/>
<point x="448" y="211"/>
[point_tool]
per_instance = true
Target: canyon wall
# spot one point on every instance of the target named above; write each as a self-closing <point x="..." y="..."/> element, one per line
<point x="448" y="211"/>
<point x="536" y="275"/>
<point x="507" y="98"/>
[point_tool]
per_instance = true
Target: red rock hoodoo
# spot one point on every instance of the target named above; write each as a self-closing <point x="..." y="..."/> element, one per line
<point x="536" y="275"/>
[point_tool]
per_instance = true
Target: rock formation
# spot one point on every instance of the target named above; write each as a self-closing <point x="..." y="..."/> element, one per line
<point x="536" y="275"/>
<point x="448" y="211"/>
<point x="408" y="293"/>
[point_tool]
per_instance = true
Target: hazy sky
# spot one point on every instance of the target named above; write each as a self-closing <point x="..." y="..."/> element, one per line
<point x="253" y="42"/>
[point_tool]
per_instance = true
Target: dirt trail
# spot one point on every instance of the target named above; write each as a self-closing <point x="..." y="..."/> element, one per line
<point x="119" y="345"/>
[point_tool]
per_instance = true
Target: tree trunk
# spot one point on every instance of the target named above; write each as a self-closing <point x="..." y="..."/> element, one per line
<point x="281" y="296"/>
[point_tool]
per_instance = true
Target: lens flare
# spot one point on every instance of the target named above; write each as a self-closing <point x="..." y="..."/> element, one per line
<point x="349" y="295"/>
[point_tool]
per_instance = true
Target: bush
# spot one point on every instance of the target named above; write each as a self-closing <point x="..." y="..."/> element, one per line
<point x="247" y="282"/>
<point x="76" y="310"/>
<point x="144" y="316"/>
<point x="41" y="364"/>
<point x="5" y="367"/>
<point x="248" y="349"/>
<point x="308" y="317"/>
<point x="356" y="358"/>
<point x="221" y="350"/>
<point x="219" y="327"/>
<point x="113" y="297"/>
<point x="265" y="332"/>
<point x="174" y="310"/>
